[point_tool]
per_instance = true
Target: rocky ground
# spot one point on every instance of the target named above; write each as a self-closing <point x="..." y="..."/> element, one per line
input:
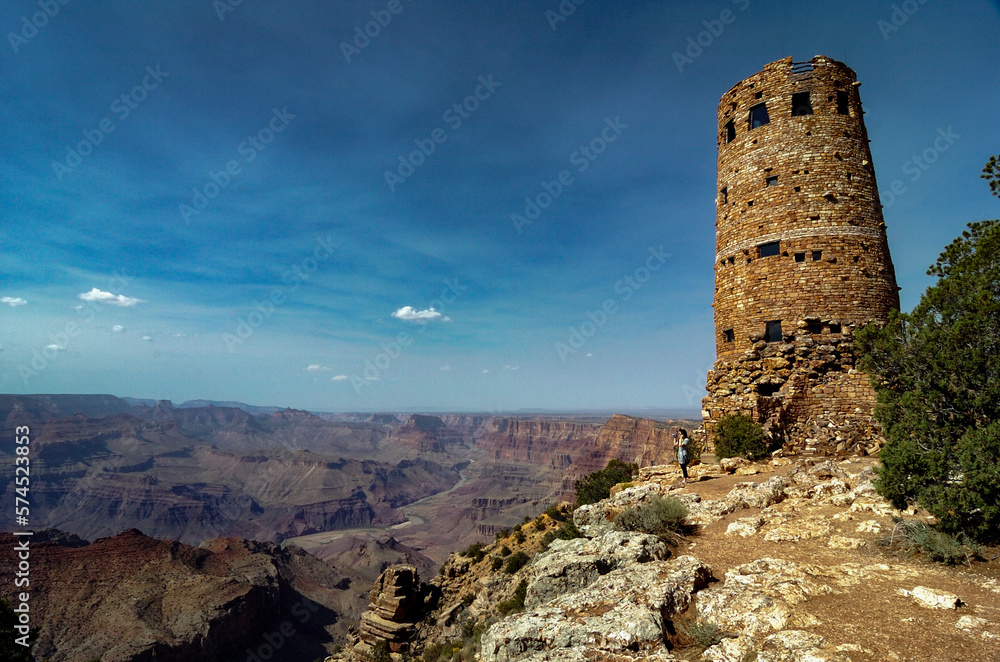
<point x="783" y="561"/>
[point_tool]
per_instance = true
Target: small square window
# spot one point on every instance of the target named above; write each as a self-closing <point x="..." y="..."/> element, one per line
<point x="798" y="189"/>
<point x="758" y="95"/>
<point x="817" y="256"/>
<point x="772" y="331"/>
<point x="834" y="328"/>
<point x="769" y="249"/>
<point x="801" y="104"/>
<point x="758" y="116"/>
<point x="772" y="181"/>
<point x="729" y="335"/>
<point x="725" y="194"/>
<point x="843" y="105"/>
<point x="800" y="257"/>
<point x="814" y="327"/>
<point x="730" y="131"/>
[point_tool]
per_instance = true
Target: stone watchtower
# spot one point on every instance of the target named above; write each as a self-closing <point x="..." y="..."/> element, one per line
<point x="801" y="256"/>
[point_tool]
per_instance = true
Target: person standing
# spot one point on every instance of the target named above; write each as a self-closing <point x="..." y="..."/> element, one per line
<point x="681" y="443"/>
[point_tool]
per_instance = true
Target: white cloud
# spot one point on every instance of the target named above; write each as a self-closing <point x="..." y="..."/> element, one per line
<point x="339" y="378"/>
<point x="180" y="335"/>
<point x="411" y="314"/>
<point x="511" y="367"/>
<point x="589" y="355"/>
<point x="315" y="367"/>
<point x="99" y="296"/>
<point x="486" y="372"/>
<point x="118" y="328"/>
<point x="56" y="348"/>
<point x="446" y="367"/>
<point x="13" y="302"/>
<point x="148" y="338"/>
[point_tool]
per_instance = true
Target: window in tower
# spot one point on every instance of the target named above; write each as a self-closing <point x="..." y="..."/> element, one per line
<point x="772" y="331"/>
<point x="725" y="195"/>
<point x="730" y="131"/>
<point x="800" y="257"/>
<point x="758" y="116"/>
<point x="729" y="335"/>
<point x="817" y="256"/>
<point x="843" y="107"/>
<point x="835" y="328"/>
<point x="769" y="249"/>
<point x="767" y="390"/>
<point x="801" y="104"/>
<point x="772" y="180"/>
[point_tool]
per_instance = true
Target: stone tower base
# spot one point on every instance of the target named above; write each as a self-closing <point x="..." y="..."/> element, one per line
<point x="805" y="391"/>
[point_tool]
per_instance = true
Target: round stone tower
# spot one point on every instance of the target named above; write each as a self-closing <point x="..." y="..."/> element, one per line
<point x="801" y="251"/>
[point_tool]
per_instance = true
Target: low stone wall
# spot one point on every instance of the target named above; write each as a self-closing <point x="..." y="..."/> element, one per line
<point x="805" y="391"/>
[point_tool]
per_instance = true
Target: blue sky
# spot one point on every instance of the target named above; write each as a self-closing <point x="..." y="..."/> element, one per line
<point x="132" y="262"/>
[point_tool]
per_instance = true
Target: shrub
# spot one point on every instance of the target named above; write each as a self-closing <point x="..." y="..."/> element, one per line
<point x="380" y="652"/>
<point x="496" y="564"/>
<point x="468" y="599"/>
<point x="505" y="551"/>
<point x="502" y="533"/>
<point x="935" y="371"/>
<point x="662" y="516"/>
<point x="909" y="537"/>
<point x="739" y="435"/>
<point x="515" y="562"/>
<point x="597" y="486"/>
<point x="516" y="601"/>
<point x="519" y="536"/>
<point x="556" y="513"/>
<point x="567" y="531"/>
<point x="475" y="551"/>
<point x="702" y="633"/>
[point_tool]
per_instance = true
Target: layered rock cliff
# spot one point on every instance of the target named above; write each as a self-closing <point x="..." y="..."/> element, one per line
<point x="132" y="598"/>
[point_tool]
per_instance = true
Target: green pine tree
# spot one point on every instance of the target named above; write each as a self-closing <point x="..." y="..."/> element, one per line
<point x="937" y="374"/>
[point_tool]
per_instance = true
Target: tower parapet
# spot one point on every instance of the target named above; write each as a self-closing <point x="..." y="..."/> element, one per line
<point x="801" y="249"/>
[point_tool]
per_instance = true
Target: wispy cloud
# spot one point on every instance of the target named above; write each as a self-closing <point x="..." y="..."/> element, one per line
<point x="148" y="338"/>
<point x="411" y="314"/>
<point x="339" y="378"/>
<point x="446" y="367"/>
<point x="56" y="348"/>
<point x="316" y="367"/>
<point x="511" y="367"/>
<point x="118" y="328"/>
<point x="13" y="302"/>
<point x="99" y="296"/>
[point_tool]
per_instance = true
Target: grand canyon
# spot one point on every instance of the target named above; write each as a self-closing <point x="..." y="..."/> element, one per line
<point x="183" y="499"/>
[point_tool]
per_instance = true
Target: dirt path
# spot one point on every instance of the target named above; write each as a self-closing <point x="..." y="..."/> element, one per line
<point x="864" y="613"/>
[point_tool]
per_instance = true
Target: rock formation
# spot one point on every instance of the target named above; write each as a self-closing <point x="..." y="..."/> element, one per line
<point x="131" y="597"/>
<point x="397" y="604"/>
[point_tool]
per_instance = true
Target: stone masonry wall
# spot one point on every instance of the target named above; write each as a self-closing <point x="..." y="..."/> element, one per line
<point x="799" y="236"/>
